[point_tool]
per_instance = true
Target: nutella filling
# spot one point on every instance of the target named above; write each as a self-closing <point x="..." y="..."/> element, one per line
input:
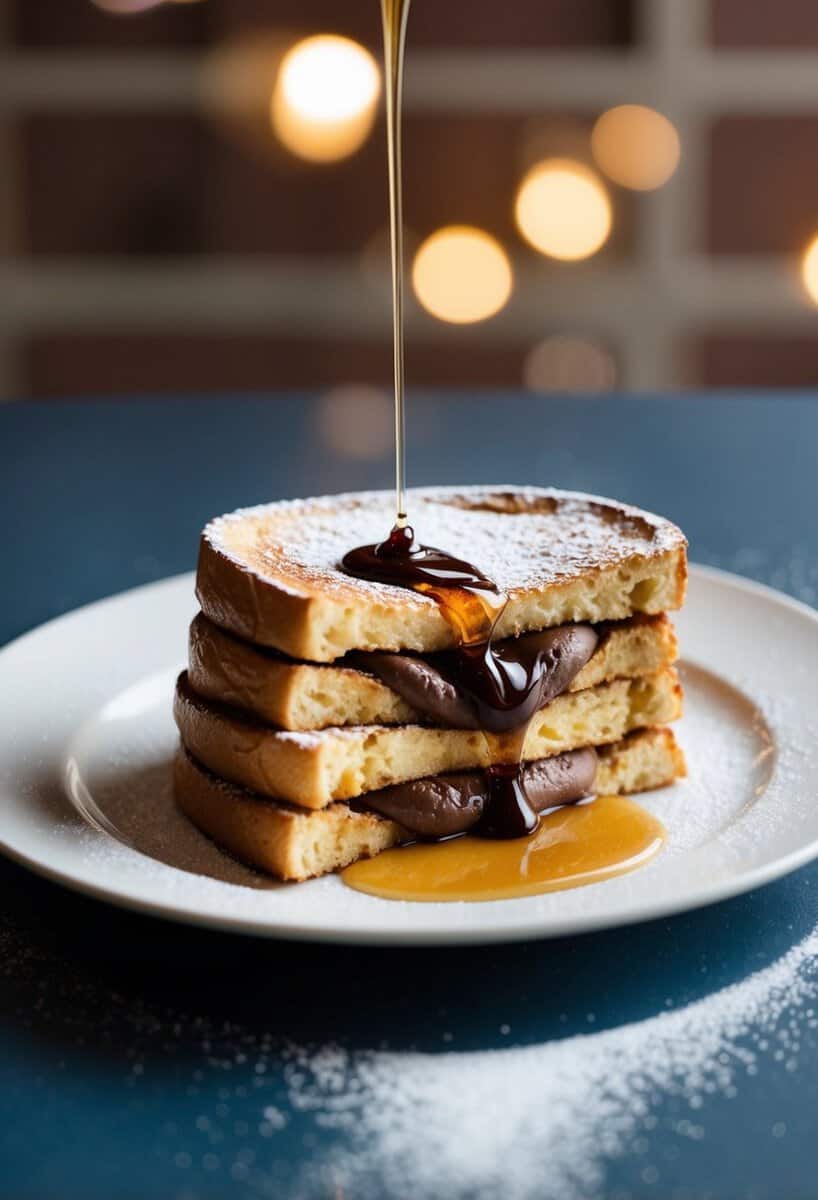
<point x="536" y="666"/>
<point x="443" y="806"/>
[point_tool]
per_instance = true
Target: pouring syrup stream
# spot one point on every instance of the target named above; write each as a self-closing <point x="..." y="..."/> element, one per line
<point x="470" y="602"/>
<point x="395" y="14"/>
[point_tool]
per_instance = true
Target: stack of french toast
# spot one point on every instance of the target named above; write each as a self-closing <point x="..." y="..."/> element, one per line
<point x="321" y="717"/>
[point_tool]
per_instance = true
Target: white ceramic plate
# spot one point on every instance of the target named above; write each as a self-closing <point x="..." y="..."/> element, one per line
<point x="85" y="785"/>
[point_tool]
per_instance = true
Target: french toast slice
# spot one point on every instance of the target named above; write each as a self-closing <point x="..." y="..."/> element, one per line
<point x="272" y="574"/>
<point x="304" y="696"/>
<point x="296" y="844"/>
<point x="315" y="768"/>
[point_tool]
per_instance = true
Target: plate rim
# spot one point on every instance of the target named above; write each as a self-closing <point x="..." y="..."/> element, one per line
<point x="730" y="886"/>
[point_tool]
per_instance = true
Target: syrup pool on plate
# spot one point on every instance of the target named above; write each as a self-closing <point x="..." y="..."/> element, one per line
<point x="573" y="846"/>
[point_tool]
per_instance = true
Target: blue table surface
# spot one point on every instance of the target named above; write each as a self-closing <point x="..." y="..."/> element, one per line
<point x="118" y="1030"/>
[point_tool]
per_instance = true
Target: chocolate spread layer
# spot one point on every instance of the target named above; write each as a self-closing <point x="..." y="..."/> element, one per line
<point x="441" y="806"/>
<point x="540" y="665"/>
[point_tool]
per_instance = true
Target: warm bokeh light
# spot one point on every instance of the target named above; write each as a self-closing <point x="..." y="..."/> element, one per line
<point x="356" y="421"/>
<point x="325" y="97"/>
<point x="562" y="209"/>
<point x="569" y="363"/>
<point x="462" y="274"/>
<point x="809" y="269"/>
<point x="125" y="7"/>
<point x="636" y="146"/>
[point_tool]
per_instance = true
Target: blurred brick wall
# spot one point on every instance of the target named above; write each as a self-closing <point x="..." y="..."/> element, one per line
<point x="791" y="24"/>
<point x="160" y="186"/>
<point x="570" y="23"/>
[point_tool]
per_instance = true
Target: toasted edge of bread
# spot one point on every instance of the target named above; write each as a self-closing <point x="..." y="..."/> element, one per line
<point x="313" y="769"/>
<point x="294" y="844"/>
<point x="248" y="582"/>
<point x="306" y="696"/>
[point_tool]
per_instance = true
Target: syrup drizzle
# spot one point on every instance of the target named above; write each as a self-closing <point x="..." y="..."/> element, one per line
<point x="394" y="16"/>
<point x="500" y="689"/>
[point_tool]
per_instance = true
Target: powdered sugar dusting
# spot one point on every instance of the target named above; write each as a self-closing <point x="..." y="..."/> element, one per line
<point x="539" y="1122"/>
<point x="520" y="537"/>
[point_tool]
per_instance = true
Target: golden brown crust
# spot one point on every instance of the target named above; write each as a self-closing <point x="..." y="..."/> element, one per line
<point x="271" y="574"/>
<point x="256" y="608"/>
<point x="623" y="770"/>
<point x="296" y="844"/>
<point x="304" y="696"/>
<point x="314" y="769"/>
<point x="292" y="695"/>
<point x="286" y="842"/>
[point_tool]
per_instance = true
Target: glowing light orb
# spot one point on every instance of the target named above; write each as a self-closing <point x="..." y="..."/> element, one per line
<point x="569" y="363"/>
<point x="636" y="146"/>
<point x="809" y="269"/>
<point x="325" y="97"/>
<point x="462" y="274"/>
<point x="356" y="421"/>
<point x="125" y="7"/>
<point x="563" y="210"/>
